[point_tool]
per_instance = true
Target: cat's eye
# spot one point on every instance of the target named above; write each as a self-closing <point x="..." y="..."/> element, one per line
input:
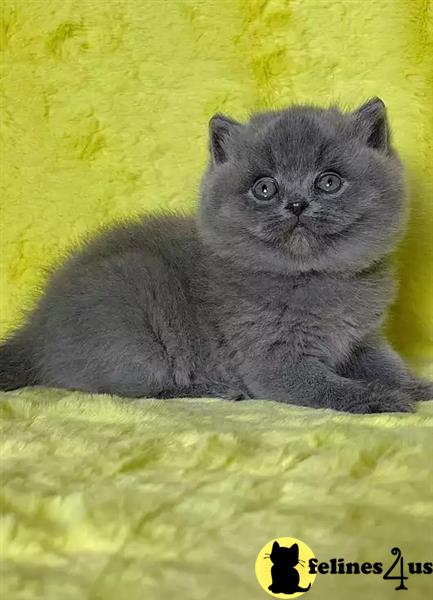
<point x="265" y="188"/>
<point x="329" y="182"/>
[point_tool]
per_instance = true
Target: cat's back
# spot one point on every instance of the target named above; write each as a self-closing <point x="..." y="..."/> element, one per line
<point x="148" y="244"/>
<point x="169" y="237"/>
<point x="131" y="264"/>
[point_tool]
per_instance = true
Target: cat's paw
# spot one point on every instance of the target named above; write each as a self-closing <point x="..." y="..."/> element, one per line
<point x="375" y="398"/>
<point x="419" y="390"/>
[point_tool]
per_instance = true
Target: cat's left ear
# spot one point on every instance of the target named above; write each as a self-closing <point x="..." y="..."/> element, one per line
<point x="222" y="131"/>
<point x="372" y="124"/>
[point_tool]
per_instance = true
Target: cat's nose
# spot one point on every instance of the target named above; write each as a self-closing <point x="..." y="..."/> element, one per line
<point x="297" y="207"/>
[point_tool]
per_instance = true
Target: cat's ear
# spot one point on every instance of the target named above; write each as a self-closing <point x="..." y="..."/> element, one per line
<point x="372" y="124"/>
<point x="221" y="130"/>
<point x="275" y="546"/>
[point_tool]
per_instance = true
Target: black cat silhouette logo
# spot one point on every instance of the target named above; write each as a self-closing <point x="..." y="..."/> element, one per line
<point x="282" y="568"/>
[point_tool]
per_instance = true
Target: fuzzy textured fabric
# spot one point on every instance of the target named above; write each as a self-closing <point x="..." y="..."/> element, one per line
<point x="104" y="115"/>
<point x="148" y="500"/>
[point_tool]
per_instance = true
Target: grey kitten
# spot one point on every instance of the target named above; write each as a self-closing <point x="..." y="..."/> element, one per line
<point x="277" y="290"/>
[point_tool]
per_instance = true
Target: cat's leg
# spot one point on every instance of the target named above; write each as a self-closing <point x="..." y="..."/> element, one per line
<point x="309" y="382"/>
<point x="112" y="366"/>
<point x="125" y="344"/>
<point x="140" y="375"/>
<point x="375" y="361"/>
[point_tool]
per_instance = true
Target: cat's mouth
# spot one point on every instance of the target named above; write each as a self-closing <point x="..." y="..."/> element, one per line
<point x="300" y="225"/>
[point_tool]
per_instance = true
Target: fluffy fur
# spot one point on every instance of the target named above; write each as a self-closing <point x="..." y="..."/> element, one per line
<point x="250" y="300"/>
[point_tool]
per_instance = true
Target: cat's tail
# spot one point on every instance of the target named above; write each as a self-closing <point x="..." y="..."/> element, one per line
<point x="299" y="589"/>
<point x="16" y="364"/>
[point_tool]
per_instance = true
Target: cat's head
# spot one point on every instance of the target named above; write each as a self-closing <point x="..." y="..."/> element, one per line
<point x="303" y="189"/>
<point x="282" y="555"/>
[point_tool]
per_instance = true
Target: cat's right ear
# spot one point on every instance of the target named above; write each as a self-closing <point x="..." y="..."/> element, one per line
<point x="222" y="129"/>
<point x="372" y="124"/>
<point x="275" y="546"/>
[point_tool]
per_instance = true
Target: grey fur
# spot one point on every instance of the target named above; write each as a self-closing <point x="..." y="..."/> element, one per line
<point x="241" y="303"/>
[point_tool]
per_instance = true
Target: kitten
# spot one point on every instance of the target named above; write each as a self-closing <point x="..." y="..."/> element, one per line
<point x="277" y="290"/>
<point x="285" y="577"/>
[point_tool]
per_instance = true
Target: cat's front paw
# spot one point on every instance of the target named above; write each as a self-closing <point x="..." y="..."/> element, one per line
<point x="419" y="390"/>
<point x="374" y="398"/>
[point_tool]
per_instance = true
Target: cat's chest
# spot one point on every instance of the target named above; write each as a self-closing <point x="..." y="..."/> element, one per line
<point x="326" y="302"/>
<point x="321" y="316"/>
